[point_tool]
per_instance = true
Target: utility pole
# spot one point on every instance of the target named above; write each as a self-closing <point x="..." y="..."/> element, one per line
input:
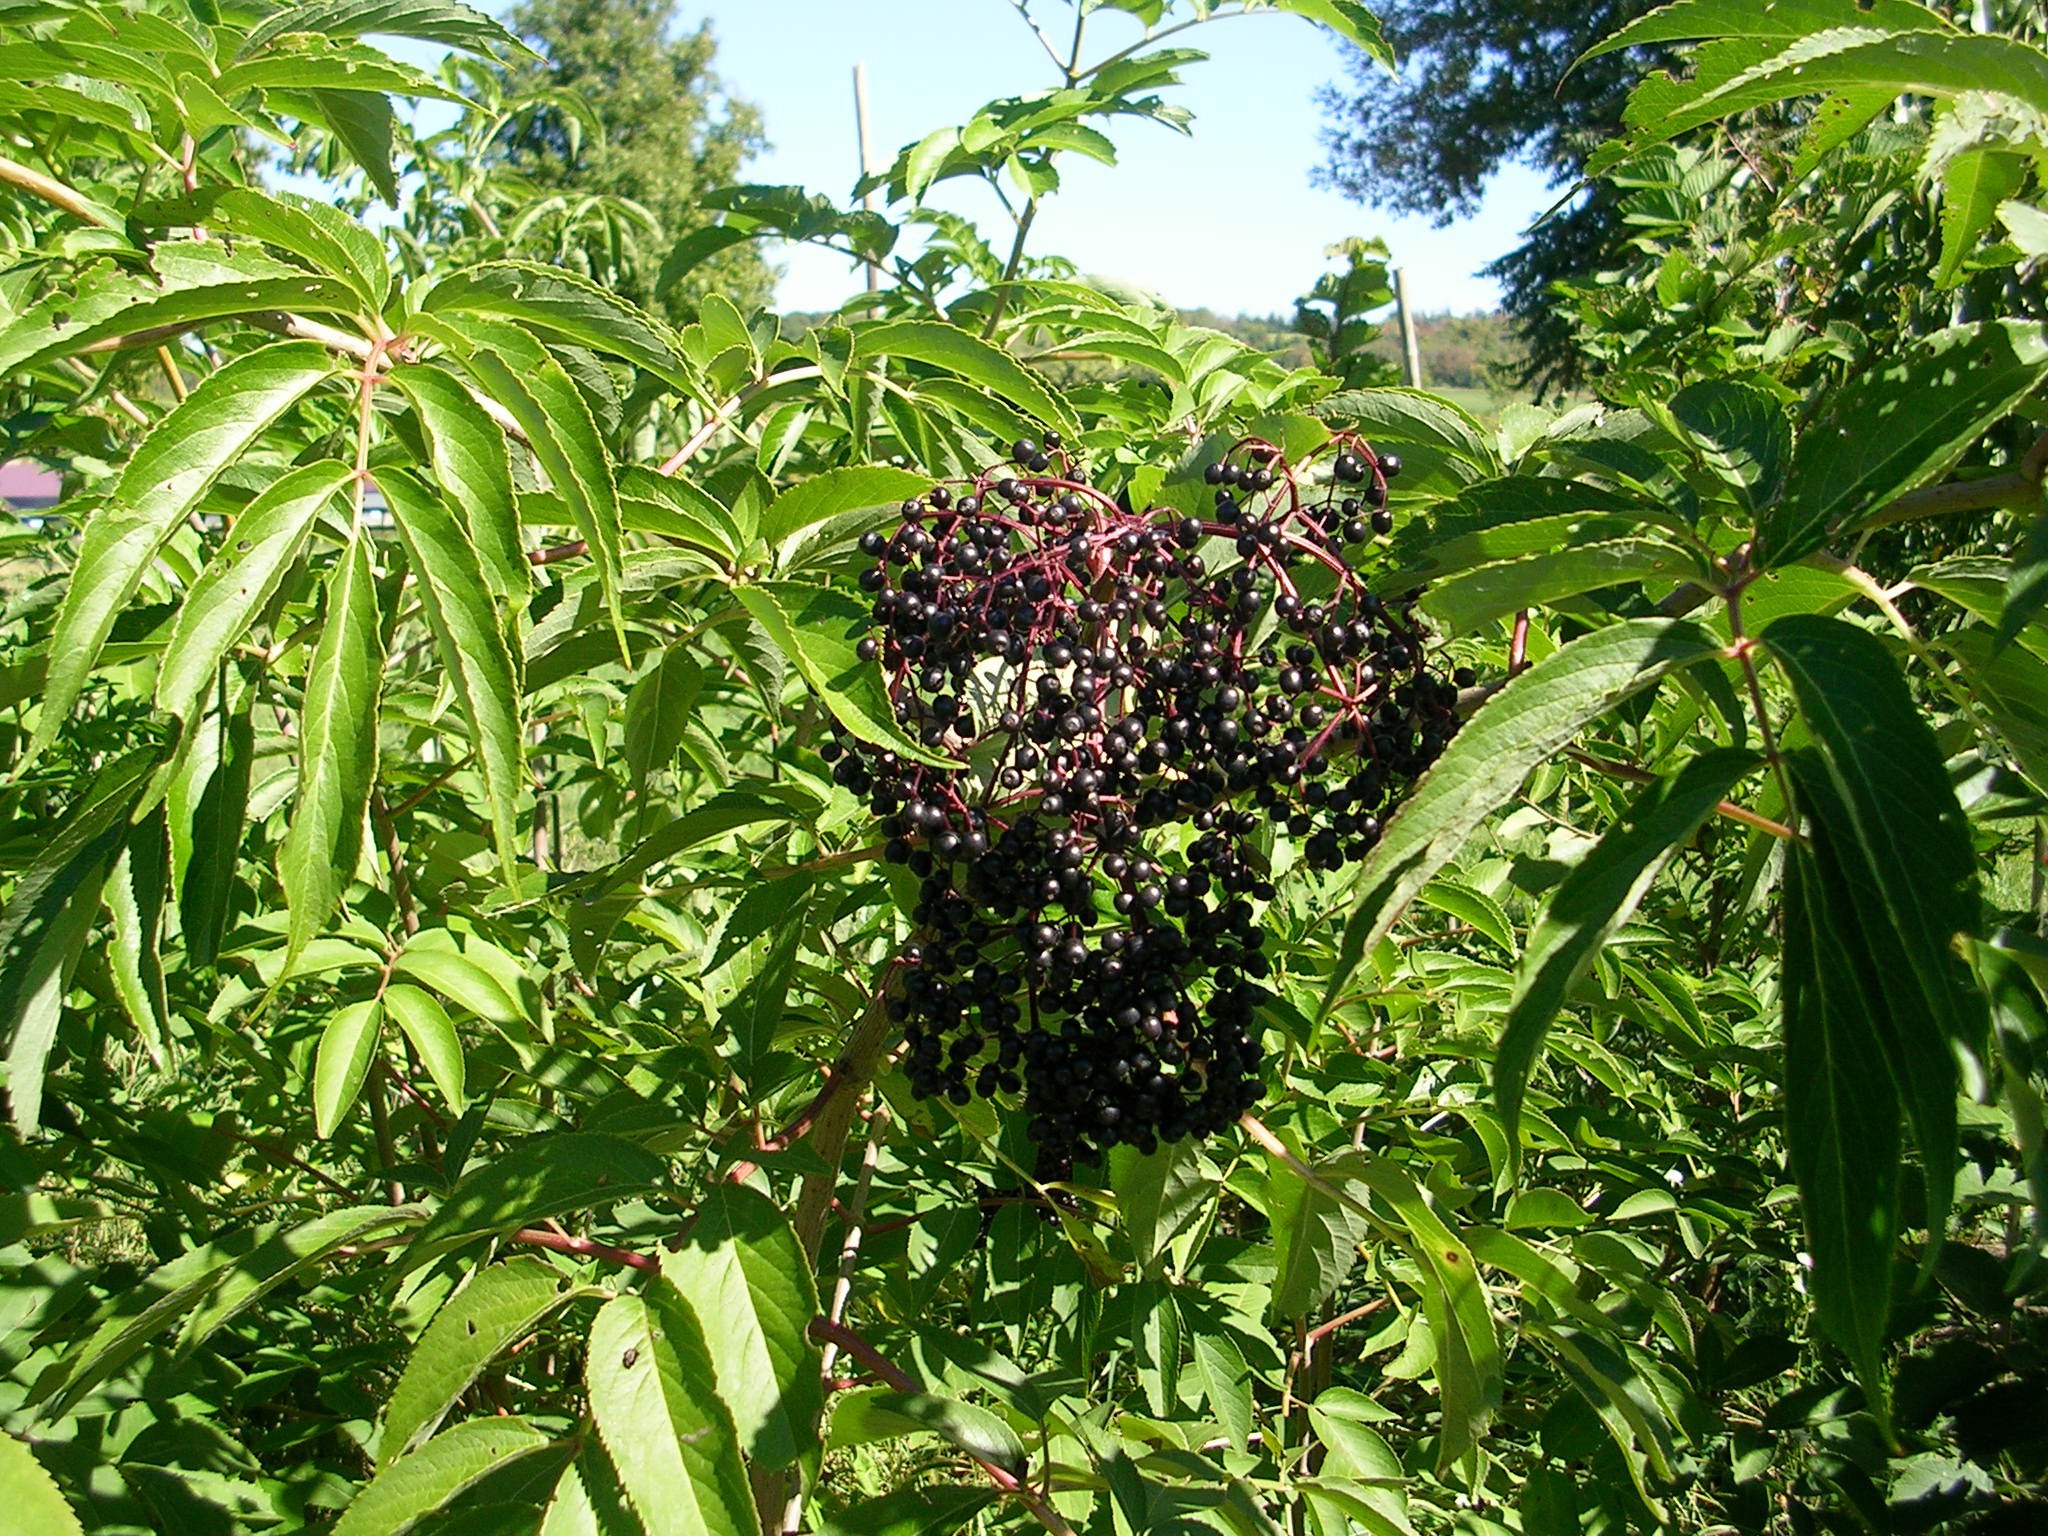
<point x="1411" y="349"/>
<point x="867" y="168"/>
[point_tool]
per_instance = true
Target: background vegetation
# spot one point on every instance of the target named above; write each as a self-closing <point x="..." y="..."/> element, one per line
<point x="450" y="1070"/>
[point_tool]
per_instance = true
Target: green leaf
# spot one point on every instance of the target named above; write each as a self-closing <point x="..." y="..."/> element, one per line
<point x="658" y="711"/>
<point x="1590" y="906"/>
<point x="1316" y="1231"/>
<point x="557" y="303"/>
<point x="1159" y="1194"/>
<point x="282" y="1257"/>
<point x="742" y="1265"/>
<point x="1841" y="1112"/>
<point x="337" y="748"/>
<point x="432" y="1477"/>
<point x="147" y="313"/>
<point x="751" y="1017"/>
<point x="818" y="628"/>
<point x="931" y="1511"/>
<point x="1741" y="433"/>
<point x="1464" y="602"/>
<point x="501" y="1304"/>
<point x="333" y="244"/>
<point x="1226" y="1383"/>
<point x="347" y="1047"/>
<point x="721" y="814"/>
<point x="1413" y="419"/>
<point x="2026" y="591"/>
<point x="218" y="822"/>
<point x="30" y="1493"/>
<point x="467" y="453"/>
<point x="44" y="926"/>
<point x="654" y="1395"/>
<point x="1900" y="425"/>
<point x="240" y="579"/>
<point x="542" y="1176"/>
<point x="1469" y="1369"/>
<point x="1520" y="727"/>
<point x="465" y="976"/>
<point x="448" y="22"/>
<point x="434" y="1039"/>
<point x="877" y="1413"/>
<point x="256" y="1258"/>
<point x="1784" y="20"/>
<point x="1851" y="57"/>
<point x="517" y="372"/>
<point x="1973" y="186"/>
<point x="957" y="351"/>
<point x="182" y="456"/>
<point x="588" y="1500"/>
<point x="1890" y="816"/>
<point x="456" y="598"/>
<point x="362" y="123"/>
<point x="1349" y="20"/>
<point x="836" y="491"/>
<point x="135" y="893"/>
<point x="1475" y="909"/>
<point x="1619" y="1395"/>
<point x="2026" y="225"/>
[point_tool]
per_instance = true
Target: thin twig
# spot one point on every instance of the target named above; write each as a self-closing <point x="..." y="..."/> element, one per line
<point x="1323" y="1330"/>
<point x="1636" y="775"/>
<point x="560" y="552"/>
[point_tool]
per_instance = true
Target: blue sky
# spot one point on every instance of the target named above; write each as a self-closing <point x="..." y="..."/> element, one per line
<point x="1226" y="218"/>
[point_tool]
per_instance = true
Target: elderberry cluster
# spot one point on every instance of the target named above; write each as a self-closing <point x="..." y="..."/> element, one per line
<point x="1135" y="698"/>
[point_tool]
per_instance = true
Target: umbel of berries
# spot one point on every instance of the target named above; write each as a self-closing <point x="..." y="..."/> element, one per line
<point x="1134" y="698"/>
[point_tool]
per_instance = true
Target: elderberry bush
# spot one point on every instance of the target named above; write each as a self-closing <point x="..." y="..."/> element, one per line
<point x="1135" y="698"/>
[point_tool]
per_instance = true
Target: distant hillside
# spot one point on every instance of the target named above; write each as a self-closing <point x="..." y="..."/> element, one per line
<point x="1458" y="351"/>
<point x="1465" y="352"/>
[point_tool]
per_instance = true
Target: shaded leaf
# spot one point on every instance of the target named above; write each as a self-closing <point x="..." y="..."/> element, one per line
<point x="1901" y="425"/>
<point x="47" y="919"/>
<point x="1592" y="903"/>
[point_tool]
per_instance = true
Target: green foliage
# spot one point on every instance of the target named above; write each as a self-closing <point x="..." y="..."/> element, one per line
<point x="446" y="995"/>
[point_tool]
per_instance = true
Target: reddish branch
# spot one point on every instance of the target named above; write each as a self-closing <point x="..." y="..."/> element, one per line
<point x="584" y="1248"/>
<point x="559" y="552"/>
<point x="1323" y="1330"/>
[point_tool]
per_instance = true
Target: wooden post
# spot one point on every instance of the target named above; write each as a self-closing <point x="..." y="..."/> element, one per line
<point x="1411" y="350"/>
<point x="860" y="130"/>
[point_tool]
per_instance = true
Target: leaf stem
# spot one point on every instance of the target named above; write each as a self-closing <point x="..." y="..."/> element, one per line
<point x="51" y="191"/>
<point x="1636" y="775"/>
<point x="1744" y="651"/>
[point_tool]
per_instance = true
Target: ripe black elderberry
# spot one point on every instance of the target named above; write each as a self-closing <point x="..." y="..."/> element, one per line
<point x="1135" y="696"/>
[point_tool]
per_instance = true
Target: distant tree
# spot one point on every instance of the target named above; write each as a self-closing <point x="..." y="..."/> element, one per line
<point x="1484" y="83"/>
<point x="670" y="131"/>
